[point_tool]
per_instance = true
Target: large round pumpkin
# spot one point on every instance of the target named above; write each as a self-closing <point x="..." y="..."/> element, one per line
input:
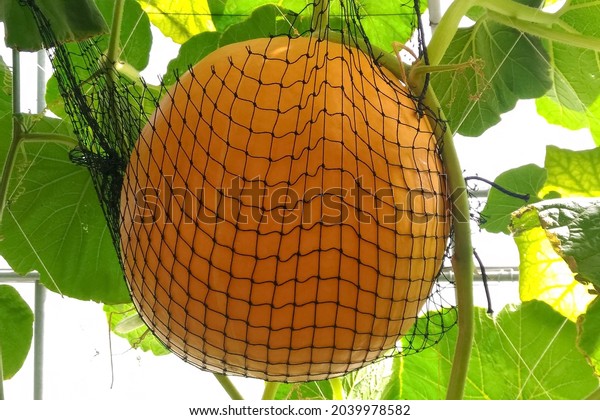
<point x="284" y="212"/>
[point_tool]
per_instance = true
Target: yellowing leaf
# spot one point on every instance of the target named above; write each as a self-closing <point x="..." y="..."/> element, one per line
<point x="544" y="275"/>
<point x="179" y="19"/>
<point x="572" y="173"/>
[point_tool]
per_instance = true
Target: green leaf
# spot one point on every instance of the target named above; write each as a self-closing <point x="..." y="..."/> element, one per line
<point x="5" y="89"/>
<point x="53" y="222"/>
<point x="265" y="21"/>
<point x="191" y="51"/>
<point x="386" y="23"/>
<point x="235" y="11"/>
<point x="527" y="179"/>
<point x="526" y="352"/>
<point x="551" y="108"/>
<point x="316" y="390"/>
<point x="383" y="22"/>
<point x="573" y="101"/>
<point x="543" y="273"/>
<point x="179" y="19"/>
<point x="501" y="66"/>
<point x="588" y="339"/>
<point x="135" y="37"/>
<point x="574" y="231"/>
<point x="572" y="173"/>
<point x="71" y="20"/>
<point x="123" y="321"/>
<point x="368" y="383"/>
<point x="16" y="319"/>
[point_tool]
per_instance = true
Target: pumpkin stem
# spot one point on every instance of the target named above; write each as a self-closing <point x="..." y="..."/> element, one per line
<point x="462" y="258"/>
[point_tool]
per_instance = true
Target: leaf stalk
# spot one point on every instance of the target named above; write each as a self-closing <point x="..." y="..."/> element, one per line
<point x="1" y="376"/>
<point x="11" y="156"/>
<point x="446" y="29"/>
<point x="228" y="386"/>
<point x="547" y="32"/>
<point x="270" y="390"/>
<point x="114" y="49"/>
<point x="510" y="13"/>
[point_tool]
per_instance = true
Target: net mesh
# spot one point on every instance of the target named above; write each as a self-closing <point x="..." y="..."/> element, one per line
<point x="280" y="211"/>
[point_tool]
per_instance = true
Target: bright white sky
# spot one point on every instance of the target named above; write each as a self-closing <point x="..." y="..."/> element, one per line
<point x="78" y="361"/>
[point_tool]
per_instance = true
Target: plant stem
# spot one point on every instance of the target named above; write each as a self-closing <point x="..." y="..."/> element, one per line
<point x="114" y="49"/>
<point x="48" y="138"/>
<point x="320" y="18"/>
<point x="511" y="8"/>
<point x="1" y="376"/>
<point x="572" y="39"/>
<point x="270" y="390"/>
<point x="337" y="387"/>
<point x="462" y="258"/>
<point x="446" y="29"/>
<point x="11" y="156"/>
<point x="228" y="386"/>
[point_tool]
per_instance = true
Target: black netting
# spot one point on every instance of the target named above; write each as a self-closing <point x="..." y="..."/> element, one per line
<point x="281" y="212"/>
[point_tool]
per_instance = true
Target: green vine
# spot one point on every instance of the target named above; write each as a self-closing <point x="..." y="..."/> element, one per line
<point x="527" y="19"/>
<point x="228" y="386"/>
<point x="270" y="390"/>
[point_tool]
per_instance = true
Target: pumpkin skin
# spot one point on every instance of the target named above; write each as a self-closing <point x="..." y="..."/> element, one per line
<point x="284" y="212"/>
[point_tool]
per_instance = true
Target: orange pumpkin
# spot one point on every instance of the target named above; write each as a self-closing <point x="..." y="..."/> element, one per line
<point x="284" y="212"/>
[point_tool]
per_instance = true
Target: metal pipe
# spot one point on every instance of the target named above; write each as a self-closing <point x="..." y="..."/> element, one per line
<point x="9" y="276"/>
<point x="435" y="14"/>
<point x="493" y="274"/>
<point x="40" y="289"/>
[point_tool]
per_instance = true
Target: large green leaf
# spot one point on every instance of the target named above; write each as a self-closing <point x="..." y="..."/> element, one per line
<point x="573" y="101"/>
<point x="191" y="51"/>
<point x="526" y="352"/>
<point x="125" y="322"/>
<point x="588" y="340"/>
<point x="16" y="330"/>
<point x="383" y="22"/>
<point x="388" y="22"/>
<point x="573" y="227"/>
<point x="572" y="173"/>
<point x="6" y="89"/>
<point x="502" y="65"/>
<point x="229" y="12"/>
<point x="53" y="222"/>
<point x="543" y="274"/>
<point x="179" y="19"/>
<point x="71" y="20"/>
<point x="524" y="180"/>
<point x="265" y="21"/>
